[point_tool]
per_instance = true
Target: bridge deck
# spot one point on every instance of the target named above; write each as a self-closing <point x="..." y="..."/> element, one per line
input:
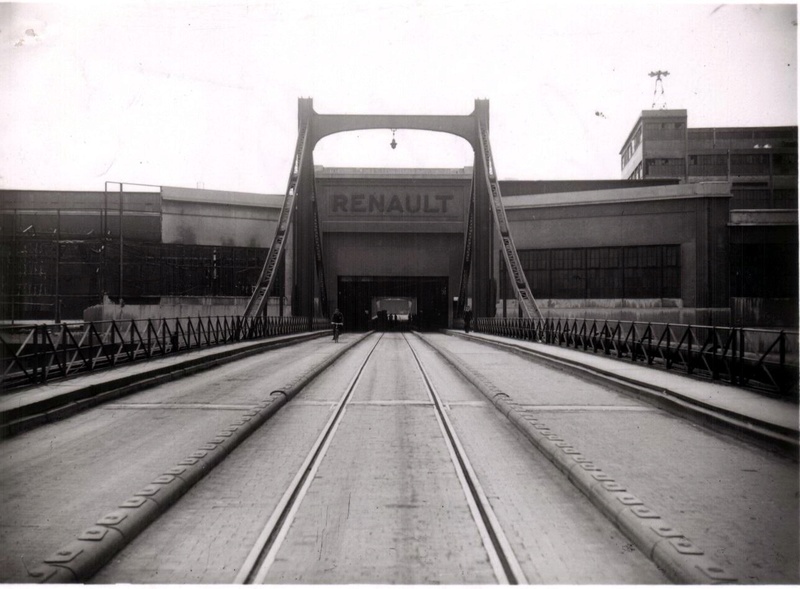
<point x="367" y="460"/>
<point x="708" y="401"/>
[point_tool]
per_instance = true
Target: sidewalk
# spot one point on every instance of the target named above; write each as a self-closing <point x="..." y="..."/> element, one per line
<point x="712" y="402"/>
<point x="33" y="406"/>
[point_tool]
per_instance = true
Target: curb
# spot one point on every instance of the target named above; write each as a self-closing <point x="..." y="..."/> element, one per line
<point x="79" y="560"/>
<point x="775" y="436"/>
<point x="681" y="560"/>
<point x="59" y="407"/>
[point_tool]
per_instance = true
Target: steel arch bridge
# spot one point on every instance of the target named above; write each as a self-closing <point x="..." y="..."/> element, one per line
<point x="299" y="216"/>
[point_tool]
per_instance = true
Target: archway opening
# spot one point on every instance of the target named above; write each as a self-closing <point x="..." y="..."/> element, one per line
<point x="371" y="148"/>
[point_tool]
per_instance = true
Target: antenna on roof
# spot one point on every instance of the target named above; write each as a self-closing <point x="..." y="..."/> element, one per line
<point x="659" y="82"/>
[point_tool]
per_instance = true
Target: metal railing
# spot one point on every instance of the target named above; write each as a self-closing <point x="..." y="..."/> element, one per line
<point x="760" y="359"/>
<point x="33" y="354"/>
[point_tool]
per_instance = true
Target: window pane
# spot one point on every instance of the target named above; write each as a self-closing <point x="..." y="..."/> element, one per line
<point x="609" y="272"/>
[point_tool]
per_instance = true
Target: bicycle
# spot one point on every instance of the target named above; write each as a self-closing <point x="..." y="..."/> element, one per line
<point x="336" y="328"/>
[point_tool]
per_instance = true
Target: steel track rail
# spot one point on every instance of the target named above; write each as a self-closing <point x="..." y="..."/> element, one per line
<point x="504" y="562"/>
<point x="261" y="557"/>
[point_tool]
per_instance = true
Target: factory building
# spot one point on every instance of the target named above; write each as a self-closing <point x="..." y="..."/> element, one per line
<point x="702" y="228"/>
<point x="63" y="252"/>
<point x="761" y="165"/>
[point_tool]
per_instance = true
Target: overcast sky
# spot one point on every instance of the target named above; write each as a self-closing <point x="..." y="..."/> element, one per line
<point x="205" y="94"/>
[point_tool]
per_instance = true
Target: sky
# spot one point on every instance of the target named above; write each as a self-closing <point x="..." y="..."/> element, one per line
<point x="204" y="94"/>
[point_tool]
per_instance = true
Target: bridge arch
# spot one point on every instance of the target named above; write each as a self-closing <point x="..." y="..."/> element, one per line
<point x="323" y="125"/>
<point x="414" y="149"/>
<point x="485" y="205"/>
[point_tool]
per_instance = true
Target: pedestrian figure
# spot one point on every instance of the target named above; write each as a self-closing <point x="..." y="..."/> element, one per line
<point x="467" y="319"/>
<point x="337" y="320"/>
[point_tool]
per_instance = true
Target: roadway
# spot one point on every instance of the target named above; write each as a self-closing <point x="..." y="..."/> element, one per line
<point x="386" y="502"/>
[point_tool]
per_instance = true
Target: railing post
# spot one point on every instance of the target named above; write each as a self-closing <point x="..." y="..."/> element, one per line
<point x="669" y="347"/>
<point x="149" y="328"/>
<point x="734" y="358"/>
<point x="782" y="360"/>
<point x="741" y="356"/>
<point x="714" y="364"/>
<point x="37" y="356"/>
<point x="113" y="343"/>
<point x="64" y="348"/>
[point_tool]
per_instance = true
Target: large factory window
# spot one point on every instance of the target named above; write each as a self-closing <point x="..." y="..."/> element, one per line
<point x="37" y="273"/>
<point x="642" y="270"/>
<point x="568" y="273"/>
<point x="601" y="273"/>
<point x="664" y="167"/>
<point x="604" y="272"/>
<point x="749" y="164"/>
<point x="713" y="164"/>
<point x="536" y="266"/>
<point x="784" y="164"/>
<point x="664" y="130"/>
<point x="764" y="262"/>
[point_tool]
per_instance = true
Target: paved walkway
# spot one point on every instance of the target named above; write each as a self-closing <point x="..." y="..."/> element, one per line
<point x="59" y="398"/>
<point x="753" y="410"/>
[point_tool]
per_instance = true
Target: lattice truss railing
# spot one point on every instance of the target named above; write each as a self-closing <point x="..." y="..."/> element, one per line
<point x="32" y="354"/>
<point x="520" y="283"/>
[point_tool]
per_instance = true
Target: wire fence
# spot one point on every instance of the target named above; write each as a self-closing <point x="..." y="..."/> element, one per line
<point x="759" y="359"/>
<point x="34" y="354"/>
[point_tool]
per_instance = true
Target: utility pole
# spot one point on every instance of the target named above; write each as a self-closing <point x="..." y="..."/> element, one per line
<point x="58" y="264"/>
<point x="13" y="267"/>
<point x="120" y="245"/>
<point x="103" y="245"/>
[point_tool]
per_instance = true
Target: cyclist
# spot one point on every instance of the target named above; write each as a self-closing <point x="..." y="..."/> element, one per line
<point x="467" y="319"/>
<point x="337" y="320"/>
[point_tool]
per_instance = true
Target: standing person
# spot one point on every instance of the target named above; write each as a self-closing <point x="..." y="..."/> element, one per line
<point x="467" y="319"/>
<point x="337" y="320"/>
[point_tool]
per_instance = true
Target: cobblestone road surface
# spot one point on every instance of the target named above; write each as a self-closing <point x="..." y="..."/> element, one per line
<point x="737" y="502"/>
<point x="58" y="479"/>
<point x="385" y="505"/>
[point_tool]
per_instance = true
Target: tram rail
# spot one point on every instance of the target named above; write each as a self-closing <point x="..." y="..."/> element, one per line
<point x="258" y="562"/>
<point x="504" y="563"/>
<point x="79" y="561"/>
<point x="598" y="486"/>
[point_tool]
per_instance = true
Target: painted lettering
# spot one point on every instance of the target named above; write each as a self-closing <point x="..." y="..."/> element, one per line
<point x="376" y="203"/>
<point x="339" y="203"/>
<point x="415" y="207"/>
<point x="394" y="205"/>
<point x="381" y="203"/>
<point x="357" y="204"/>
<point x="444" y="198"/>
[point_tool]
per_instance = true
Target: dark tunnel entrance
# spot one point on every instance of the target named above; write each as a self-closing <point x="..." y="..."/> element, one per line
<point x="418" y="302"/>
